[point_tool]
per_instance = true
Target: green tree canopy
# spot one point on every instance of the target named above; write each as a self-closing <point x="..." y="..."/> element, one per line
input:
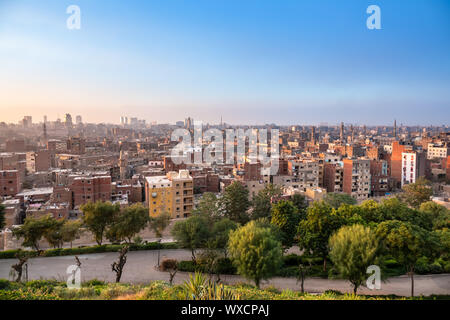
<point x="208" y="206"/>
<point x="438" y="214"/>
<point x="128" y="222"/>
<point x="192" y="233"/>
<point x="98" y="216"/>
<point x="407" y="243"/>
<point x="221" y="233"/>
<point x="255" y="251"/>
<point x="159" y="223"/>
<point x="301" y="204"/>
<point x="33" y="230"/>
<point x="353" y="249"/>
<point x="286" y="218"/>
<point x="235" y="202"/>
<point x="313" y="232"/>
<point x="53" y="234"/>
<point x="415" y="194"/>
<point x="262" y="201"/>
<point x="335" y="200"/>
<point x="71" y="230"/>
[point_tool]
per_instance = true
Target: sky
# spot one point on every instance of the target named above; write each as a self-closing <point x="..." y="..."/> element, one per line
<point x="247" y="61"/>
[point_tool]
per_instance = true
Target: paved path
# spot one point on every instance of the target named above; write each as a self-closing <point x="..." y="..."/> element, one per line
<point x="140" y="269"/>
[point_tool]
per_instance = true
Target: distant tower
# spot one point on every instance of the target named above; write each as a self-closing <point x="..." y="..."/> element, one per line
<point x="341" y="134"/>
<point x="352" y="133"/>
<point x="313" y="135"/>
<point x="123" y="163"/>
<point x="395" y="128"/>
<point x="364" y="130"/>
<point x="68" y="120"/>
<point x="45" y="132"/>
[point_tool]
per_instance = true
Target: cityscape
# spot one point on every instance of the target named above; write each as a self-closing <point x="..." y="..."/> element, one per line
<point x="337" y="192"/>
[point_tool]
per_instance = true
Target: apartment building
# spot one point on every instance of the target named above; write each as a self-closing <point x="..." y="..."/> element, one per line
<point x="38" y="161"/>
<point x="333" y="177"/>
<point x="409" y="167"/>
<point x="172" y="193"/>
<point x="305" y="173"/>
<point x="9" y="183"/>
<point x="90" y="189"/>
<point x="379" y="177"/>
<point x="439" y="151"/>
<point x="357" y="178"/>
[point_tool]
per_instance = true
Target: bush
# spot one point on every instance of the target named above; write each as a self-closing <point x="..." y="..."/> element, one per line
<point x="94" y="283"/>
<point x="225" y="266"/>
<point x="44" y="284"/>
<point x="5" y="284"/>
<point x="188" y="266"/>
<point x="11" y="254"/>
<point x="169" y="264"/>
<point x="292" y="260"/>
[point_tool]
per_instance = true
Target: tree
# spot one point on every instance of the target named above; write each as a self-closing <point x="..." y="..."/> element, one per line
<point x="303" y="270"/>
<point x="192" y="233"/>
<point x="221" y="232"/>
<point x="352" y="250"/>
<point x="286" y="218"/>
<point x="407" y="243"/>
<point x="208" y="206"/>
<point x="415" y="194"/>
<point x="33" y="230"/>
<point x="335" y="200"/>
<point x="18" y="267"/>
<point x="128" y="222"/>
<point x="2" y="217"/>
<point x="235" y="203"/>
<point x="301" y="204"/>
<point x="262" y="201"/>
<point x="53" y="234"/>
<point x="158" y="225"/>
<point x="255" y="251"/>
<point x="171" y="266"/>
<point x="439" y="215"/>
<point x="71" y="230"/>
<point x="118" y="266"/>
<point x="313" y="232"/>
<point x="97" y="217"/>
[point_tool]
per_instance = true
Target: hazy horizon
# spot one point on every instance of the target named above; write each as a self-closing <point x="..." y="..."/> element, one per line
<point x="249" y="62"/>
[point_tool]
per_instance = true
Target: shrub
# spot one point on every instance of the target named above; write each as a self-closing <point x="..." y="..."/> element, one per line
<point x="188" y="266"/>
<point x="169" y="264"/>
<point x="225" y="266"/>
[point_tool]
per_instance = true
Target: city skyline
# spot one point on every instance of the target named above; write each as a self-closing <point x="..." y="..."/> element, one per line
<point x="285" y="63"/>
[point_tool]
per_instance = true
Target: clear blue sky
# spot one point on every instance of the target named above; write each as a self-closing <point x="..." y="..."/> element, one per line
<point x="250" y="61"/>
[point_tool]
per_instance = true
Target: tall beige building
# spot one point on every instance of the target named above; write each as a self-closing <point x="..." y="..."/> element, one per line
<point x="173" y="193"/>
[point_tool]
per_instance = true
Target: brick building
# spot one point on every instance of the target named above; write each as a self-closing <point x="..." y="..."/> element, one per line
<point x="357" y="178"/>
<point x="9" y="183"/>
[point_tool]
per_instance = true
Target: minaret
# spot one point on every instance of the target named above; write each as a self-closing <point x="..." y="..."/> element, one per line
<point x="123" y="163"/>
<point x="313" y="135"/>
<point x="45" y="132"/>
<point x="395" y="128"/>
<point x="351" y="129"/>
<point x="342" y="132"/>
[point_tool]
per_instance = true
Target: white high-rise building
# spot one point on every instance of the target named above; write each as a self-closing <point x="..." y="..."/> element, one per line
<point x="409" y="167"/>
